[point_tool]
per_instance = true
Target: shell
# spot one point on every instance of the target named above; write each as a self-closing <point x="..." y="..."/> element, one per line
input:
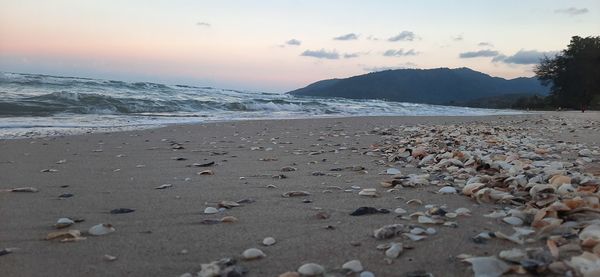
<point x="268" y="241"/>
<point x="211" y="210"/>
<point x="311" y="269"/>
<point x="229" y="219"/>
<point x="394" y="251"/>
<point x="101" y="229"/>
<point x="354" y="266"/>
<point x="63" y="223"/>
<point x="295" y="194"/>
<point x="368" y="192"/>
<point x="472" y="188"/>
<point x="253" y="254"/>
<point x="513" y="255"/>
<point x="513" y="220"/>
<point x="447" y="190"/>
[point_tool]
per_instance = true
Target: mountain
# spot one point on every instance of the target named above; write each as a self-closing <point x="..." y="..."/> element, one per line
<point x="442" y="86"/>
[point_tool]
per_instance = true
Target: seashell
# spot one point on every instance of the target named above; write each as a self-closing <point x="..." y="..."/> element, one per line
<point x="541" y="188"/>
<point x="101" y="229"/>
<point x="211" y="210"/>
<point x="495" y="214"/>
<point x="417" y="231"/>
<point x="513" y="255"/>
<point x="354" y="266"/>
<point x="400" y="211"/>
<point x="268" y="241"/>
<point x="228" y="204"/>
<point x="585" y="153"/>
<point x="587" y="264"/>
<point x="394" y="251"/>
<point x="288" y="169"/>
<point x="24" y="189"/>
<point x="229" y="219"/>
<point x="109" y="258"/>
<point x="565" y="189"/>
<point x="388" y="231"/>
<point x="63" y="223"/>
<point x="414" y="201"/>
<point x="122" y="211"/>
<point x="311" y="269"/>
<point x="253" y="254"/>
<point x="463" y="211"/>
<point x="164" y="186"/>
<point x="206" y="172"/>
<point x="488" y="266"/>
<point x="447" y="190"/>
<point x="451" y="215"/>
<point x="558" y="180"/>
<point x="472" y="188"/>
<point x="370" y="192"/>
<point x="513" y="220"/>
<point x="65" y="236"/>
<point x="427" y="220"/>
<point x="413" y="237"/>
<point x="590" y="233"/>
<point x="366" y="274"/>
<point x="392" y="171"/>
<point x="295" y="194"/>
<point x="431" y="231"/>
<point x="289" y="274"/>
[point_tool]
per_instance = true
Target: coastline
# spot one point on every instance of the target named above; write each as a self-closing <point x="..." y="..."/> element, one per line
<point x="105" y="171"/>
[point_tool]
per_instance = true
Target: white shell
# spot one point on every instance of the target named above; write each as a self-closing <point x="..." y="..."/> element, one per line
<point x="488" y="266"/>
<point x="366" y="274"/>
<point x="253" y="253"/>
<point x="513" y="220"/>
<point x="64" y="222"/>
<point x="394" y="251"/>
<point x="354" y="266"/>
<point x="211" y="210"/>
<point x="311" y="269"/>
<point x="101" y="229"/>
<point x="268" y="241"/>
<point x="392" y="171"/>
<point x="513" y="255"/>
<point x="400" y="211"/>
<point x="447" y="190"/>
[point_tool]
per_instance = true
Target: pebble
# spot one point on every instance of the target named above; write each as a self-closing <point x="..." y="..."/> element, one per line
<point x="268" y="241"/>
<point x="353" y="265"/>
<point x="311" y="269"/>
<point x="253" y="254"/>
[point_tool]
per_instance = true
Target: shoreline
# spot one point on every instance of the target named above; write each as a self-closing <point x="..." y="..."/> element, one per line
<point x="165" y="235"/>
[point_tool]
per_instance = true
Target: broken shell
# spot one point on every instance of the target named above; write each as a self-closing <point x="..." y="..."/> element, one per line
<point x="228" y="204"/>
<point x="101" y="229"/>
<point x="513" y="220"/>
<point x="463" y="211"/>
<point x="392" y="171"/>
<point x="394" y="251"/>
<point x="311" y="269"/>
<point x="211" y="210"/>
<point x="388" y="231"/>
<point x="109" y="258"/>
<point x="253" y="254"/>
<point x="414" y="237"/>
<point x="63" y="223"/>
<point x="164" y="186"/>
<point x="65" y="236"/>
<point x="206" y="172"/>
<point x="370" y="192"/>
<point x="414" y="201"/>
<point x="513" y="255"/>
<point x="268" y="241"/>
<point x="354" y="266"/>
<point x="24" y="189"/>
<point x="295" y="194"/>
<point x="488" y="266"/>
<point x="472" y="188"/>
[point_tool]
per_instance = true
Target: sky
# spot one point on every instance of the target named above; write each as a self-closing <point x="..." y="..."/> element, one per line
<point x="280" y="45"/>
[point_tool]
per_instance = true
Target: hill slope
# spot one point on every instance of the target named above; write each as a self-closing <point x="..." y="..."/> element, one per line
<point x="431" y="86"/>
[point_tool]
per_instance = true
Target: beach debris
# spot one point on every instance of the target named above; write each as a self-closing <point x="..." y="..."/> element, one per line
<point x="8" y="250"/>
<point x="268" y="241"/>
<point x="101" y="229"/>
<point x="253" y="254"/>
<point x="295" y="193"/>
<point x="109" y="258"/>
<point x="488" y="266"/>
<point x="65" y="195"/>
<point x="369" y="192"/>
<point x="211" y="210"/>
<point x="366" y="274"/>
<point x="228" y="204"/>
<point x="368" y="210"/>
<point x="229" y="219"/>
<point x="289" y="274"/>
<point x="206" y="172"/>
<point x="23" y="189"/>
<point x="392" y="171"/>
<point x="514" y="255"/>
<point x="63" y="223"/>
<point x="311" y="269"/>
<point x="400" y="211"/>
<point x="202" y="164"/>
<point x="122" y="211"/>
<point x="353" y="266"/>
<point x="394" y="250"/>
<point x="388" y="231"/>
<point x="65" y="236"/>
<point x="448" y="190"/>
<point x="164" y="186"/>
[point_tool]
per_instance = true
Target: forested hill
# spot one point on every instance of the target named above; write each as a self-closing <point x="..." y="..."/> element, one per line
<point x="431" y="86"/>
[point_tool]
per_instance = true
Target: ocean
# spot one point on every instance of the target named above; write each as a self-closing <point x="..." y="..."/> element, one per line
<point x="34" y="105"/>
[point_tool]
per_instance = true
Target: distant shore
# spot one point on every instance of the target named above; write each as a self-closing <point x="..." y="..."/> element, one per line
<point x="256" y="161"/>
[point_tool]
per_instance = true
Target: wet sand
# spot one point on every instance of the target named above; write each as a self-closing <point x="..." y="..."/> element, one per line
<point x="122" y="169"/>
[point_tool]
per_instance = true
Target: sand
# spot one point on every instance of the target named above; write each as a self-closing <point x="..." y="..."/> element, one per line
<point x="150" y="241"/>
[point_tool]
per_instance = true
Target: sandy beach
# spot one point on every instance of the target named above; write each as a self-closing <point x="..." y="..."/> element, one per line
<point x="333" y="159"/>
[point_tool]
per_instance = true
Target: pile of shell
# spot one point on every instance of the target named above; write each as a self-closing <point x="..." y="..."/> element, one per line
<point x="550" y="195"/>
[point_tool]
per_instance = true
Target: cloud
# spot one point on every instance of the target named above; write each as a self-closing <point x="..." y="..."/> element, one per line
<point x="321" y="54"/>
<point x="399" y="53"/>
<point x="572" y="11"/>
<point x="524" y="57"/>
<point x="350" y="36"/>
<point x="404" y="36"/>
<point x="293" y="42"/>
<point x="485" y="44"/>
<point x="458" y="38"/>
<point x="351" y="55"/>
<point x="203" y="24"/>
<point x="384" y="68"/>
<point x="371" y="37"/>
<point x="477" y="54"/>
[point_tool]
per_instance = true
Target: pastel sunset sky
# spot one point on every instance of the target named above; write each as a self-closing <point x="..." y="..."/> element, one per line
<point x="280" y="45"/>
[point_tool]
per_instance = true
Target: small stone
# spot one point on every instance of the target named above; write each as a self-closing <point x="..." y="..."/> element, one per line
<point x="311" y="269"/>
<point x="211" y="210"/>
<point x="268" y="241"/>
<point x="354" y="266"/>
<point x="253" y="254"/>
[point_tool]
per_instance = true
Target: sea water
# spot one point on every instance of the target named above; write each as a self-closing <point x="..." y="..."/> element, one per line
<point x="42" y="105"/>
